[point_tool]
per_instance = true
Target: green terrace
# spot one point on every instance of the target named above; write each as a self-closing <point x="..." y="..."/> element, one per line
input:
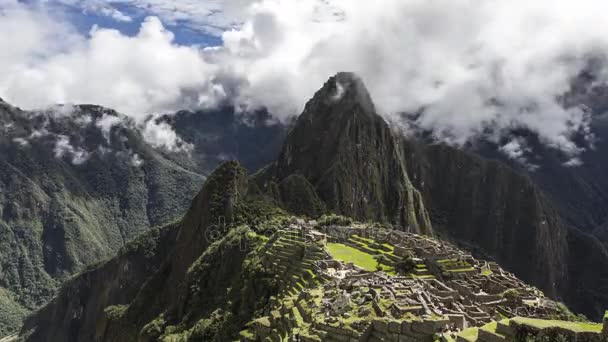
<point x="291" y="258"/>
<point x="365" y="253"/>
<point x="531" y="330"/>
<point x="359" y="256"/>
<point x="346" y="253"/>
<point x="455" y="266"/>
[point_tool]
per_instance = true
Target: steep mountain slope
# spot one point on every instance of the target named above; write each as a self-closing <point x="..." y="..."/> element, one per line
<point x="155" y="280"/>
<point x="72" y="193"/>
<point x="488" y="206"/>
<point x="580" y="191"/>
<point x="350" y="157"/>
<point x="580" y="197"/>
<point x="197" y="280"/>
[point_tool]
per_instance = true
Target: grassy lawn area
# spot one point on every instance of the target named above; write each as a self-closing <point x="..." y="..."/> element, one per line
<point x="346" y="253"/>
<point x="467" y="269"/>
<point x="574" y="326"/>
<point x="470" y="334"/>
<point x="486" y="272"/>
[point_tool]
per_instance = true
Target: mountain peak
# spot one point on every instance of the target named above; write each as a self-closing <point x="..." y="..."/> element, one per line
<point x="349" y="156"/>
<point x="343" y="92"/>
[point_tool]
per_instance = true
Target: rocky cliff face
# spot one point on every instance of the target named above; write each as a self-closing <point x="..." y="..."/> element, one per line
<point x="579" y="195"/>
<point x="351" y="158"/>
<point x="488" y="206"/>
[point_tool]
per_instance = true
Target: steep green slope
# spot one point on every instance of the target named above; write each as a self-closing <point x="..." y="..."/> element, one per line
<point x="156" y="280"/>
<point x="71" y="194"/>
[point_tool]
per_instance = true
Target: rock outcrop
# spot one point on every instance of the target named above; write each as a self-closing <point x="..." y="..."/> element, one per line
<point x="352" y="159"/>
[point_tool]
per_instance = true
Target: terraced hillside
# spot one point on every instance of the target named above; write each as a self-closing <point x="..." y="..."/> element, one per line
<point x="366" y="292"/>
<point x="292" y="260"/>
<point x="529" y="329"/>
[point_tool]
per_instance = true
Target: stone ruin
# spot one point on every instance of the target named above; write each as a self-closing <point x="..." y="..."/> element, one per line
<point x="447" y="292"/>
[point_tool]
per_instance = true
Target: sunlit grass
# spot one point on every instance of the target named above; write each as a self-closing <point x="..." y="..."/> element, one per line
<point x="344" y="253"/>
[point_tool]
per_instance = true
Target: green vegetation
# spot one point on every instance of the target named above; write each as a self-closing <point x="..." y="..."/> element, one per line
<point x="573" y="326"/>
<point x="335" y="220"/>
<point x="115" y="312"/>
<point x="299" y="197"/>
<point x="469" y="334"/>
<point x="511" y="294"/>
<point x="261" y="215"/>
<point x="347" y="253"/>
<point x="59" y="219"/>
<point x="11" y="313"/>
<point x="380" y="261"/>
<point x="406" y="265"/>
<point x="486" y="272"/>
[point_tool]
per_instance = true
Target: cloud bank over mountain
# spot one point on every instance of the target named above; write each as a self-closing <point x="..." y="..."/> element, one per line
<point x="467" y="67"/>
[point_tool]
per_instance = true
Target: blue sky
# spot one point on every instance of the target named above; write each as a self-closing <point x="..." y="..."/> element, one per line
<point x="189" y="28"/>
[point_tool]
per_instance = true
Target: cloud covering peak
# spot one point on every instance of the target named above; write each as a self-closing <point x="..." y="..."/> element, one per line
<point x="468" y="67"/>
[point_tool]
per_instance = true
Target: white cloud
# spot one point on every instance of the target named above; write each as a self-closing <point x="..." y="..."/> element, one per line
<point x="63" y="148"/>
<point x="160" y="134"/>
<point x="106" y="123"/>
<point x="136" y="160"/>
<point x="474" y="65"/>
<point x="137" y="75"/>
<point x="21" y="142"/>
<point x="517" y="150"/>
<point x="574" y="162"/>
